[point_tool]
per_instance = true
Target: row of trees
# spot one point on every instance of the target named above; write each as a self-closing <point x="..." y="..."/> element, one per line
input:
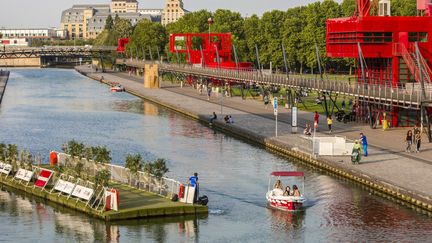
<point x="10" y="154"/>
<point x="299" y="29"/>
<point x="101" y="155"/>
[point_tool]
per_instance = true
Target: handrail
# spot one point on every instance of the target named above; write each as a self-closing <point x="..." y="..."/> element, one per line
<point x="383" y="92"/>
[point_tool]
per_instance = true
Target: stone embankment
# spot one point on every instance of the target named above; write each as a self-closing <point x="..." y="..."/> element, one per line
<point x="388" y="171"/>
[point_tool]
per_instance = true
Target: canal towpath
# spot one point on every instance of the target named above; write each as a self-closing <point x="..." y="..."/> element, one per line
<point x="404" y="175"/>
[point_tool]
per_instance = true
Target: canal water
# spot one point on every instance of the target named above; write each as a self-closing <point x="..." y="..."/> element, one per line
<point x="44" y="108"/>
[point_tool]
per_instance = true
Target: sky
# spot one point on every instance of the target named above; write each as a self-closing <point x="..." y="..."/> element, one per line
<point x="46" y="13"/>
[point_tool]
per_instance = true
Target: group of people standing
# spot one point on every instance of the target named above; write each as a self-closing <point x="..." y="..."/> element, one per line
<point x="413" y="137"/>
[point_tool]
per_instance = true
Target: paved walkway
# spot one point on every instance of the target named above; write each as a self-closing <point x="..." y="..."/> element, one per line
<point x="387" y="162"/>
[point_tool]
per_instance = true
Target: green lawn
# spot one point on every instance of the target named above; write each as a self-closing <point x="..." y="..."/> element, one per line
<point x="309" y="102"/>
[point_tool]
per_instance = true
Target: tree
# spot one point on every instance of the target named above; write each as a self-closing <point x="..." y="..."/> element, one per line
<point x="195" y="22"/>
<point x="348" y="7"/>
<point x="157" y="168"/>
<point x="252" y="27"/>
<point x="134" y="163"/>
<point x="25" y="159"/>
<point x="122" y="28"/>
<point x="147" y="35"/>
<point x="271" y="27"/>
<point x="102" y="154"/>
<point x="403" y="8"/>
<point x="12" y="153"/>
<point x="291" y="36"/>
<point x="74" y="148"/>
<point x="78" y="168"/>
<point x="102" y="178"/>
<point x="3" y="152"/>
<point x="109" y="23"/>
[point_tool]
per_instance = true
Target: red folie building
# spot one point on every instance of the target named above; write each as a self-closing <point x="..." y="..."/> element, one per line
<point x="204" y="49"/>
<point x="387" y="47"/>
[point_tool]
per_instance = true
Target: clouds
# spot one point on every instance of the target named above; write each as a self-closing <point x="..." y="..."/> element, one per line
<point x="46" y="13"/>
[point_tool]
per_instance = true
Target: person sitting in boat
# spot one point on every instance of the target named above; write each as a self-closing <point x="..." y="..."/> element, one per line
<point x="287" y="192"/>
<point x="278" y="185"/>
<point x="278" y="188"/>
<point x="296" y="192"/>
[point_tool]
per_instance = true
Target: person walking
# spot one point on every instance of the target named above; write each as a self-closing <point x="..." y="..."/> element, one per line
<point x="417" y="137"/>
<point x="266" y="101"/>
<point x="329" y="123"/>
<point x="356" y="153"/>
<point x="316" y="120"/>
<point x="364" y="143"/>
<point x="409" y="141"/>
<point x="209" y="91"/>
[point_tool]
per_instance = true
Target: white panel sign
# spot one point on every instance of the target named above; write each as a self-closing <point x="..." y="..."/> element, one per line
<point x="294" y="116"/>
<point x="24" y="175"/>
<point x="28" y="176"/>
<point x="69" y="186"/>
<point x="77" y="191"/>
<point x="6" y="169"/>
<point x="64" y="186"/>
<point x="82" y="192"/>
<point x="60" y="185"/>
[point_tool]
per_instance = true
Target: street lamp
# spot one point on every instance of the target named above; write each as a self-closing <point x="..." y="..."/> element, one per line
<point x="210" y="22"/>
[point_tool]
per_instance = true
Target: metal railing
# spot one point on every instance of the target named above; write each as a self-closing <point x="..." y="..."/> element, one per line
<point x="162" y="186"/>
<point x="374" y="93"/>
<point x="144" y="181"/>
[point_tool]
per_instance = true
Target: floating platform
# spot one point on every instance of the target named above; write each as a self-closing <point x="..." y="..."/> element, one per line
<point x="134" y="203"/>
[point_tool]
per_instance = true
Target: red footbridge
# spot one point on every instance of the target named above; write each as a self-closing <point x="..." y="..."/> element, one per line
<point x="393" y="56"/>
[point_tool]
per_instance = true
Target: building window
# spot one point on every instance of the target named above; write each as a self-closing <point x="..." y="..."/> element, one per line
<point x="417" y="36"/>
<point x="375" y="37"/>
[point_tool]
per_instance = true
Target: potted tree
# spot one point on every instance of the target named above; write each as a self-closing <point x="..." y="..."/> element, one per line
<point x="134" y="163"/>
<point x="12" y="155"/>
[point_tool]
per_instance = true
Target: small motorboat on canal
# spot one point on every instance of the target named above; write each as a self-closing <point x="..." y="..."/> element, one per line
<point x="117" y="88"/>
<point x="279" y="197"/>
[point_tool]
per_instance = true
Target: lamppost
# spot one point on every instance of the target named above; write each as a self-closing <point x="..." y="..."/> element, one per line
<point x="210" y="22"/>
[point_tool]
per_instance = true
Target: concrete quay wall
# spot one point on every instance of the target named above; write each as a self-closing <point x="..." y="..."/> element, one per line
<point x="408" y="196"/>
<point x="21" y="62"/>
<point x="4" y="77"/>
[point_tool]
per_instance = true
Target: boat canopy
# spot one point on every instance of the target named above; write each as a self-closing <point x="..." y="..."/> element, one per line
<point x="287" y="173"/>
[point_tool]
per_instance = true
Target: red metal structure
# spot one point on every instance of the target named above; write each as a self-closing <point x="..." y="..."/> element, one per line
<point x="205" y="48"/>
<point x="122" y="42"/>
<point x="386" y="46"/>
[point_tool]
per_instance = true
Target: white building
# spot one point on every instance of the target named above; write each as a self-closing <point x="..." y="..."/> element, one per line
<point x="15" y="42"/>
<point x="151" y="11"/>
<point x="35" y="33"/>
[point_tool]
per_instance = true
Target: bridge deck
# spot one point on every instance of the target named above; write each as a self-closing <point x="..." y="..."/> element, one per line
<point x="379" y="94"/>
